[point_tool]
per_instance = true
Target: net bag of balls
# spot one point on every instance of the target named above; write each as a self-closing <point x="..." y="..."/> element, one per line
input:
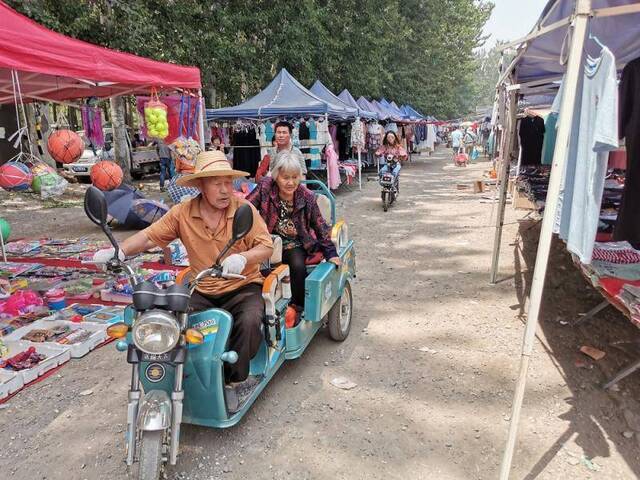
<point x="155" y="117"/>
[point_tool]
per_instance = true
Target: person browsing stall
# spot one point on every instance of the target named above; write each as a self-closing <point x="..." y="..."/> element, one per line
<point x="204" y="225"/>
<point x="291" y="212"/>
<point x="284" y="145"/>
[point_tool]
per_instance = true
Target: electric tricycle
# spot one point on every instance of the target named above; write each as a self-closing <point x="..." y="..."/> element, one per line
<point x="177" y="358"/>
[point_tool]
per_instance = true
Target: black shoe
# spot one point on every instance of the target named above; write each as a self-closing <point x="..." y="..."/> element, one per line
<point x="237" y="395"/>
<point x="231" y="399"/>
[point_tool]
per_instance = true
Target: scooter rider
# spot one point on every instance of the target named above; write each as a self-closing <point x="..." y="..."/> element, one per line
<point x="204" y="225"/>
<point x="391" y="147"/>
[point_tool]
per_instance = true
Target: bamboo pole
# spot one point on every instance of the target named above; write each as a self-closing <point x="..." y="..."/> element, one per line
<point x="567" y="107"/>
<point x="503" y="176"/>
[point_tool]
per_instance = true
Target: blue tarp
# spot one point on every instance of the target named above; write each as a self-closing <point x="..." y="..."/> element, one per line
<point x="328" y="96"/>
<point x="347" y="98"/>
<point x="540" y="56"/>
<point x="284" y="96"/>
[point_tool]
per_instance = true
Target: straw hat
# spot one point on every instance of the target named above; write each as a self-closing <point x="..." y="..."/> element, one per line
<point x="210" y="164"/>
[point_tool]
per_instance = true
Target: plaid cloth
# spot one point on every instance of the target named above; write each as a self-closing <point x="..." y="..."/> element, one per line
<point x="180" y="194"/>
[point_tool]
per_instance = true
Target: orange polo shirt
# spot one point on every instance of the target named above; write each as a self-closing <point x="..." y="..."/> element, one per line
<point x="183" y="221"/>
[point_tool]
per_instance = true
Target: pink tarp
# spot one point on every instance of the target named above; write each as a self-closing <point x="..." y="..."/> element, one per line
<point x="52" y="66"/>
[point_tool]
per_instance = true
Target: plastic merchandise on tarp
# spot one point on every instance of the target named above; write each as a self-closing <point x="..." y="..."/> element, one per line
<point x="97" y="335"/>
<point x="57" y="67"/>
<point x="283" y="97"/>
<point x="347" y="98"/>
<point x="10" y="383"/>
<point x="327" y="95"/>
<point x="54" y="355"/>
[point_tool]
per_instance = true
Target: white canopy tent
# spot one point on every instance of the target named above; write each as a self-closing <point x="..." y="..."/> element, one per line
<point x="555" y="47"/>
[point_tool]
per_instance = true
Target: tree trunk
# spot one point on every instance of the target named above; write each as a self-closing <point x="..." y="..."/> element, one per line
<point x="120" y="144"/>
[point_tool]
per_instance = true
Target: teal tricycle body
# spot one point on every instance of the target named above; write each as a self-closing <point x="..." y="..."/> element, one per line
<point x="186" y="385"/>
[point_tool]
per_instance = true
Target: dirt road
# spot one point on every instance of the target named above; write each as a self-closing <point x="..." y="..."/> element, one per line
<point x="434" y="351"/>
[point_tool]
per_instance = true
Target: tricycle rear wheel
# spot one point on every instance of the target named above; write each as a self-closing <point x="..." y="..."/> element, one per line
<point x="339" y="317"/>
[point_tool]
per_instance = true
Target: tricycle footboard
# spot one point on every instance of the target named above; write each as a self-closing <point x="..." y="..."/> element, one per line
<point x="324" y="284"/>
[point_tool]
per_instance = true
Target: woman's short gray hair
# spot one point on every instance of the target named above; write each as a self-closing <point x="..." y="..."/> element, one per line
<point x="286" y="162"/>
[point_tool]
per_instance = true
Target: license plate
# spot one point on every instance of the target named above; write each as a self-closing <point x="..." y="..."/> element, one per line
<point x="163" y="357"/>
<point x="80" y="169"/>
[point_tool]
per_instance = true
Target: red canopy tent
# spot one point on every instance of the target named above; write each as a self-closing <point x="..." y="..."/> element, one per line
<point x="54" y="67"/>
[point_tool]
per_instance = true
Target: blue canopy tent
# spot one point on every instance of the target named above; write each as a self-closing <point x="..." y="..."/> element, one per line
<point x="328" y="96"/>
<point x="387" y="110"/>
<point x="323" y="92"/>
<point x="347" y="98"/>
<point x="283" y="97"/>
<point x="533" y="71"/>
<point x="382" y="113"/>
<point x="392" y="107"/>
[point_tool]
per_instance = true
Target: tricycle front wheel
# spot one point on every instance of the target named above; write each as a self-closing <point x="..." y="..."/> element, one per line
<point x="150" y="455"/>
<point x="339" y="317"/>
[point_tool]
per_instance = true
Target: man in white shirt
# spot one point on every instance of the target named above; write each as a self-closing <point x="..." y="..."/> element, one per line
<point x="456" y="140"/>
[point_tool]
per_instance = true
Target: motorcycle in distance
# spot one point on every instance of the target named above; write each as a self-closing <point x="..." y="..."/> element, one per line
<point x="178" y="358"/>
<point x="389" y="182"/>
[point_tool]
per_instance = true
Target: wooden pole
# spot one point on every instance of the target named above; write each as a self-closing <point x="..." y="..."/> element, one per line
<point x="565" y="119"/>
<point x="503" y="178"/>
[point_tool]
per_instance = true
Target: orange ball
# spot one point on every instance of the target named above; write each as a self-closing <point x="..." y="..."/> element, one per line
<point x="106" y="175"/>
<point x="65" y="146"/>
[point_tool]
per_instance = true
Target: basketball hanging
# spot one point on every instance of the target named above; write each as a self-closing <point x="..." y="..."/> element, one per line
<point x="15" y="177"/>
<point x="65" y="146"/>
<point x="106" y="175"/>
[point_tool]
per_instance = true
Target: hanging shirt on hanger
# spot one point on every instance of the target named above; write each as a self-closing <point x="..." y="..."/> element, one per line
<point x="531" y="138"/>
<point x="597" y="134"/>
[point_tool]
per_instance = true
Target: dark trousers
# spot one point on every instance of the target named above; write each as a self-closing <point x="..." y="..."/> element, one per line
<point x="295" y="257"/>
<point x="166" y="170"/>
<point x="247" y="308"/>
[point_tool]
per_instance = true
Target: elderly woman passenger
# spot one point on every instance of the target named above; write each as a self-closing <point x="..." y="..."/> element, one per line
<point x="291" y="212"/>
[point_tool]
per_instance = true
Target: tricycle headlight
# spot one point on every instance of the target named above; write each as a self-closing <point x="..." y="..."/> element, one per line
<point x="156" y="332"/>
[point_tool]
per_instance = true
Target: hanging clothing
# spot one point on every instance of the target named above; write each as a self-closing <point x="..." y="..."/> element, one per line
<point x="596" y="133"/>
<point x="391" y="127"/>
<point x="246" y="159"/>
<point x="92" y="124"/>
<point x="344" y="141"/>
<point x="333" y="170"/>
<point x="549" y="144"/>
<point x="628" y="223"/>
<point x="531" y="138"/>
<point x="357" y="135"/>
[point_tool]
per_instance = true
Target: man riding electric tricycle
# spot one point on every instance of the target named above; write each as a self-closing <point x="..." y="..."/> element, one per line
<point x="204" y="350"/>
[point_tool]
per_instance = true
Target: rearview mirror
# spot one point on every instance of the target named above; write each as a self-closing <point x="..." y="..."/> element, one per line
<point x="242" y="222"/>
<point x="95" y="206"/>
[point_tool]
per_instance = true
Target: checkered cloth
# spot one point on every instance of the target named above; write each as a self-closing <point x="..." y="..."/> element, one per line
<point x="180" y="194"/>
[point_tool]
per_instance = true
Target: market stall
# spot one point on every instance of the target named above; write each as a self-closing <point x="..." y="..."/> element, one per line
<point x="608" y="32"/>
<point x="248" y="128"/>
<point x="39" y="65"/>
<point x="53" y="305"/>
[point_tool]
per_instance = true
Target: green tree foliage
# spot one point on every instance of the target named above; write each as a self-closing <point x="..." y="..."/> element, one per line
<point x="487" y="73"/>
<point x="411" y="51"/>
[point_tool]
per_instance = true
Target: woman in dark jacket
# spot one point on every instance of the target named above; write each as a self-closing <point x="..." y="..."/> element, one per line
<point x="291" y="212"/>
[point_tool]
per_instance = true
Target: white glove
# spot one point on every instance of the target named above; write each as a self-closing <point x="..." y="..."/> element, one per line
<point x="234" y="264"/>
<point x="106" y="254"/>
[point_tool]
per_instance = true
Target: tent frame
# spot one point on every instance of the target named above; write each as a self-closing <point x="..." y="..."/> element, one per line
<point x="578" y="21"/>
